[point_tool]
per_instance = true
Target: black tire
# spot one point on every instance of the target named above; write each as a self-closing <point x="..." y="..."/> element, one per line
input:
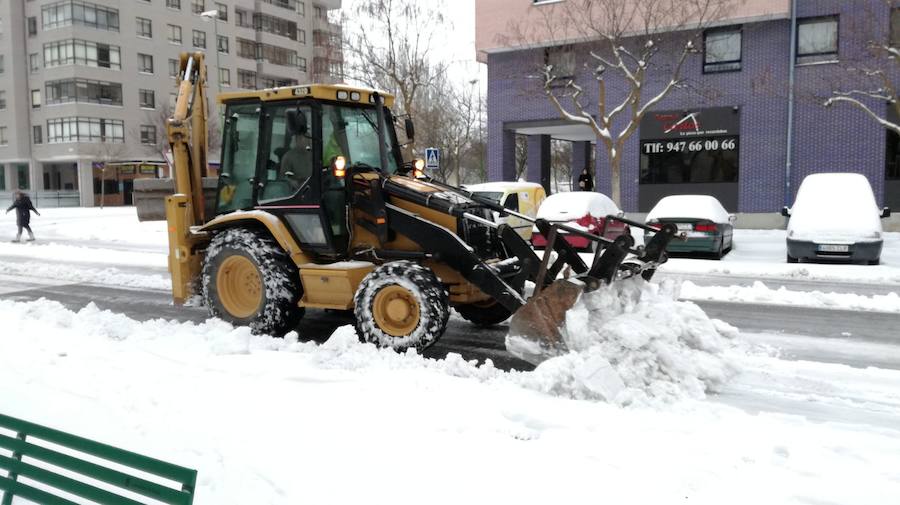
<point x="721" y="252"/>
<point x="277" y="312"/>
<point x="791" y="259"/>
<point x="876" y="261"/>
<point x="421" y="287"/>
<point x="484" y="315"/>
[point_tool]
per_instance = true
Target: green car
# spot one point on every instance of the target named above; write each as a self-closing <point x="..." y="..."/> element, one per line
<point x="706" y="225"/>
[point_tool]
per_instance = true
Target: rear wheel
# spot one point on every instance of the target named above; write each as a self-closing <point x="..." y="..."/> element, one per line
<point x="248" y="280"/>
<point x="401" y="305"/>
<point x="487" y="313"/>
<point x="876" y="261"/>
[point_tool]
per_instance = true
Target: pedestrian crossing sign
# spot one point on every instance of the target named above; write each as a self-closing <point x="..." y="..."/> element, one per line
<point x="432" y="158"/>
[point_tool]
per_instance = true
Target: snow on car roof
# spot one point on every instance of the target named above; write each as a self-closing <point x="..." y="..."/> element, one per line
<point x="566" y="206"/>
<point x="501" y="186"/>
<point x="834" y="206"/>
<point x="690" y="207"/>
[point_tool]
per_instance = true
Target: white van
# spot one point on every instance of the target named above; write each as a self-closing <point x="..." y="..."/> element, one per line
<point x="522" y="197"/>
<point x="835" y="217"/>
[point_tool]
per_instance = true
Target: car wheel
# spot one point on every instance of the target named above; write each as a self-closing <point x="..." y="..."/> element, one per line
<point x="721" y="252"/>
<point x="876" y="261"/>
<point x="791" y="259"/>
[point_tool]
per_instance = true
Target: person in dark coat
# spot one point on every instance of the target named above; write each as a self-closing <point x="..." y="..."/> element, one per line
<point x="585" y="181"/>
<point x="23" y="207"/>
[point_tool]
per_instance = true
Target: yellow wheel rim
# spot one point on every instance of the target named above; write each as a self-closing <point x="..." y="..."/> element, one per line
<point x="239" y="286"/>
<point x="396" y="310"/>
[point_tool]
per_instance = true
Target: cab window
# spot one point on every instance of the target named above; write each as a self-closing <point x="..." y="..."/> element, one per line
<point x="512" y="202"/>
<point x="289" y="161"/>
<point x="239" y="150"/>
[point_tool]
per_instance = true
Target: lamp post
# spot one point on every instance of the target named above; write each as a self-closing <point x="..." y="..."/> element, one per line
<point x="214" y="14"/>
<point x="474" y="82"/>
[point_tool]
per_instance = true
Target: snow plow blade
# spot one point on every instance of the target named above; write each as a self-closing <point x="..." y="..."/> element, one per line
<point x="537" y="331"/>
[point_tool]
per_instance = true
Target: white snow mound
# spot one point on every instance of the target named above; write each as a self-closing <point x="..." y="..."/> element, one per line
<point x="635" y="342"/>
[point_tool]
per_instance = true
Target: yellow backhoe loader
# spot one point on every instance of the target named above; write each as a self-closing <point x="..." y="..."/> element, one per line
<point x="315" y="208"/>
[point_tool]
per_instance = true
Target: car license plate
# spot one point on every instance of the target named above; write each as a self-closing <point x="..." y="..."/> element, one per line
<point x="834" y="248"/>
<point x="685" y="227"/>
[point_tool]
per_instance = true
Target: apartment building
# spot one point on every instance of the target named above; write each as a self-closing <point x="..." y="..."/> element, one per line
<point x="85" y="86"/>
<point x="740" y="122"/>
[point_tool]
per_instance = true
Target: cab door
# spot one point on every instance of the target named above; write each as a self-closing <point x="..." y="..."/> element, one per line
<point x="237" y="173"/>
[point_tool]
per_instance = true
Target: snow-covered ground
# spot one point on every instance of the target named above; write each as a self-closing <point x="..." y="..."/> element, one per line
<point x="710" y="415"/>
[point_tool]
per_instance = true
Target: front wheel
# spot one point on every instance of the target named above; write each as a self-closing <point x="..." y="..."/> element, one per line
<point x="248" y="280"/>
<point x="791" y="259"/>
<point x="401" y="305"/>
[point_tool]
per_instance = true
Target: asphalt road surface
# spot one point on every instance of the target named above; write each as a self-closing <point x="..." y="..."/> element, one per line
<point x="838" y="326"/>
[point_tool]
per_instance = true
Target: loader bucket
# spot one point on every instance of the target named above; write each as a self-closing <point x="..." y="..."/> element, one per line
<point x="537" y="331"/>
<point x="150" y="197"/>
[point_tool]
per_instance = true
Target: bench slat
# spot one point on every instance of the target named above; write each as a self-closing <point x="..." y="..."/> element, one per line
<point x="30" y="493"/>
<point x="186" y="476"/>
<point x="98" y="472"/>
<point x="63" y="483"/>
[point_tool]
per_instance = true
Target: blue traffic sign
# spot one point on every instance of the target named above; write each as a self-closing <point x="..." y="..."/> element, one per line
<point x="432" y="158"/>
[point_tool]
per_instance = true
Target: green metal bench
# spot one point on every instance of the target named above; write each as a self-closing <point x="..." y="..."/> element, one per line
<point x="37" y="458"/>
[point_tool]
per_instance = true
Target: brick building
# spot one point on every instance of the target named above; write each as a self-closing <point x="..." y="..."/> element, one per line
<point x="740" y="121"/>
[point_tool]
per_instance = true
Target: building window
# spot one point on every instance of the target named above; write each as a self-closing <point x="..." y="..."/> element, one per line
<point x="222" y="11"/>
<point x="199" y="38"/>
<point x="246" y="79"/>
<point x="81" y="52"/>
<point x="173" y="4"/>
<point x="174" y="34"/>
<point x="77" y="12"/>
<point x="817" y="39"/>
<point x="32" y="26"/>
<point x="148" y="134"/>
<point x="562" y="62"/>
<point x="275" y="25"/>
<point x="722" y="50"/>
<point x="301" y="63"/>
<point x="243" y="18"/>
<point x="2" y="99"/>
<point x="172" y="99"/>
<point x="320" y="12"/>
<point x="37" y="134"/>
<point x="173" y="68"/>
<point x="225" y="77"/>
<point x="83" y="90"/>
<point x="301" y="36"/>
<point x="85" y="129"/>
<point x="34" y="62"/>
<point x="147" y="98"/>
<point x="35" y="99"/>
<point x="895" y="27"/>
<point x="301" y="9"/>
<point x="145" y="63"/>
<point x="2" y="67"/>
<point x="222" y="44"/>
<point x="198" y="6"/>
<point x="3" y="138"/>
<point x="144" y="28"/>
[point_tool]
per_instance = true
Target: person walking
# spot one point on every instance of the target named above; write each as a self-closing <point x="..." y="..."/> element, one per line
<point x="585" y="181"/>
<point x="23" y="207"/>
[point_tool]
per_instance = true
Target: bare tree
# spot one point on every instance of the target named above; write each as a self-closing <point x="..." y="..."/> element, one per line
<point x="160" y="118"/>
<point x="448" y="119"/>
<point x="390" y="49"/>
<point x="627" y="46"/>
<point x="104" y="153"/>
<point x="875" y="73"/>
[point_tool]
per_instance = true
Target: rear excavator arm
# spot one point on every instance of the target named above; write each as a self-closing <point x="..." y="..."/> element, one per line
<point x="186" y="131"/>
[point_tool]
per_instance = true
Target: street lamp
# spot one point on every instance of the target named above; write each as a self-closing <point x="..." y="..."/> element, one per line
<point x="474" y="83"/>
<point x="214" y="14"/>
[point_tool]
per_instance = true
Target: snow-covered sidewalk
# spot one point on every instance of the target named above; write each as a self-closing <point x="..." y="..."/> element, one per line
<point x="270" y="421"/>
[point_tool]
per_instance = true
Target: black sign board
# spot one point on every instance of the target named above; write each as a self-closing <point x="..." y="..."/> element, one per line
<point x="680" y="124"/>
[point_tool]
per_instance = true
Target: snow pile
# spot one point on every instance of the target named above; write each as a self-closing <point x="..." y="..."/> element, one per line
<point x="760" y="293"/>
<point x="577" y="204"/>
<point x="689" y="207"/>
<point x="634" y="342"/>
<point x="110" y="276"/>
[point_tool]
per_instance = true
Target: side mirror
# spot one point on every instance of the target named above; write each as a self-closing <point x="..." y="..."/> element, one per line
<point x="786" y="212"/>
<point x="732" y="218"/>
<point x="885" y="212"/>
<point x="410" y="129"/>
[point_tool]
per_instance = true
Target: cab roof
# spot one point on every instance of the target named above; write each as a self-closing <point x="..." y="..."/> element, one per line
<point x="333" y="92"/>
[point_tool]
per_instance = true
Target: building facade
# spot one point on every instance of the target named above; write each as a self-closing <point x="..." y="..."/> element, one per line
<point x="85" y="86"/>
<point x="727" y="135"/>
